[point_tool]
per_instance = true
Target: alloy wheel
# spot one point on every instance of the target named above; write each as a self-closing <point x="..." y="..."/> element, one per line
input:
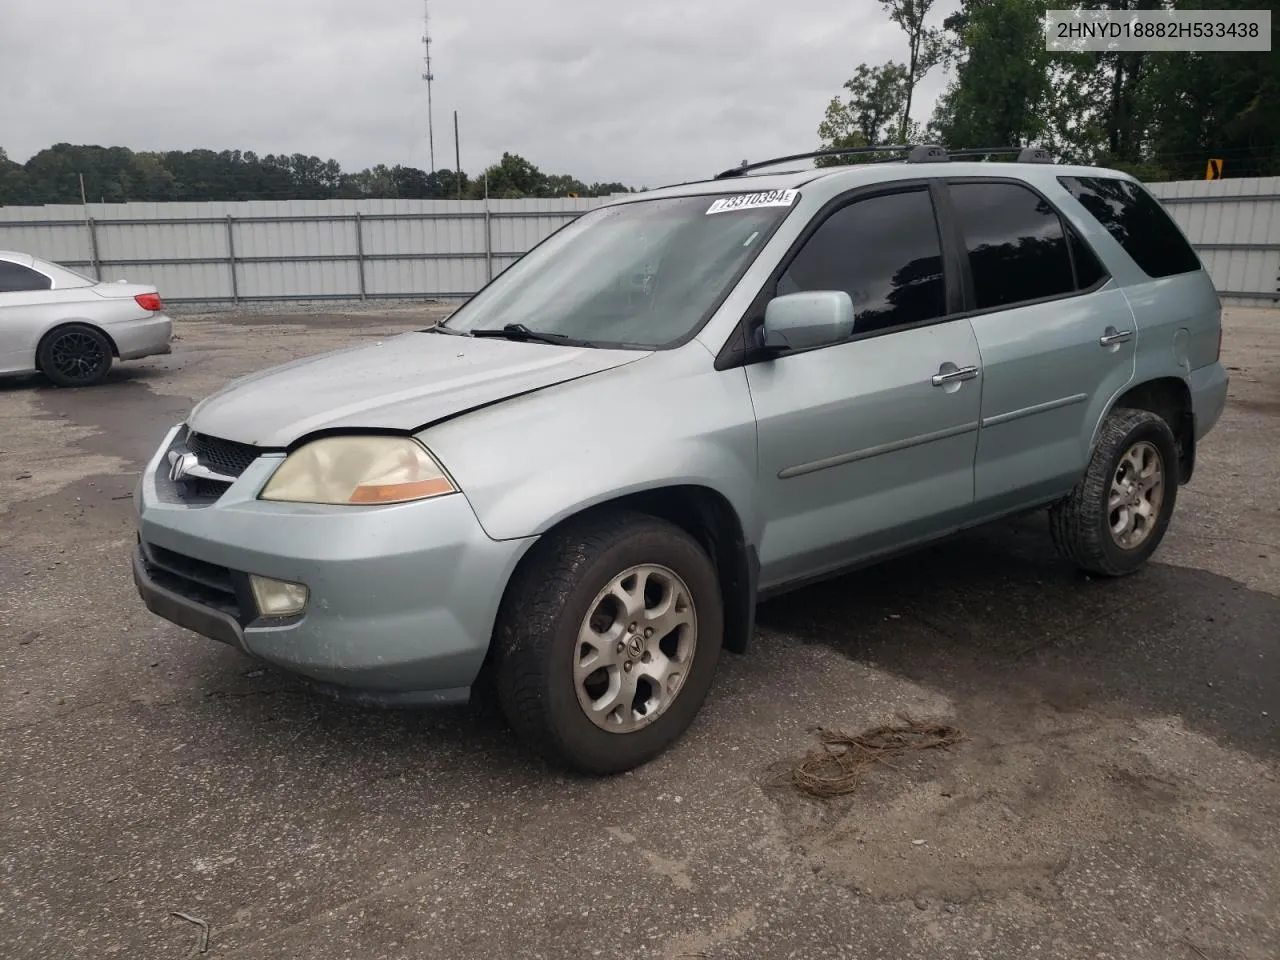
<point x="1137" y="493"/>
<point x="635" y="647"/>
<point x="78" y="356"/>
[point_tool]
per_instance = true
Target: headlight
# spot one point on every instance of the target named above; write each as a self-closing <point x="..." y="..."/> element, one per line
<point x="364" y="470"/>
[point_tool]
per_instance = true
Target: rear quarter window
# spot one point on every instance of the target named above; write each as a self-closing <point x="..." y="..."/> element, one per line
<point x="15" y="278"/>
<point x="1137" y="221"/>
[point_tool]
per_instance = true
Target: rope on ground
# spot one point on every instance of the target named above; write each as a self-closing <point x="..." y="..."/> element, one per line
<point x="836" y="767"/>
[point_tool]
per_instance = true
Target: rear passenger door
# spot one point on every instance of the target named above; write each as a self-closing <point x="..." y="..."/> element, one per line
<point x="1053" y="332"/>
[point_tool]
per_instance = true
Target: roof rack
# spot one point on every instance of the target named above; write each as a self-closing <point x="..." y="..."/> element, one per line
<point x="1024" y="154"/>
<point x="916" y="153"/>
<point x="812" y="155"/>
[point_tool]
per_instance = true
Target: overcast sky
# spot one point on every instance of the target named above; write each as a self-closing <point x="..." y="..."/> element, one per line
<point x="646" y="93"/>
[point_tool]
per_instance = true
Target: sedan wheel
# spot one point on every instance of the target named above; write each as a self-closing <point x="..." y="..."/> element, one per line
<point x="75" y="356"/>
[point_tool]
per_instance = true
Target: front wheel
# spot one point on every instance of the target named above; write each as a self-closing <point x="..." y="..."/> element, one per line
<point x="607" y="642"/>
<point x="1118" y="513"/>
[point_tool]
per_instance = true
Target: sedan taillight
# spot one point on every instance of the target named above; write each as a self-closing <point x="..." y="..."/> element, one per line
<point x="149" y="301"/>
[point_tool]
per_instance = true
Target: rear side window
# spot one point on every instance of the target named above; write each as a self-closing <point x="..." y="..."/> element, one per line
<point x="1018" y="249"/>
<point x="1137" y="221"/>
<point x="885" y="253"/>
<point x="15" y="277"/>
<point x="1089" y="269"/>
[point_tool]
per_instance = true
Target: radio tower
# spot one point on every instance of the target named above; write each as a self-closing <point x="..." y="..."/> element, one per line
<point x="428" y="76"/>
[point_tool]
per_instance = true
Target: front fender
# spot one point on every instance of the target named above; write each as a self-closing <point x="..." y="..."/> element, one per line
<point x="670" y="419"/>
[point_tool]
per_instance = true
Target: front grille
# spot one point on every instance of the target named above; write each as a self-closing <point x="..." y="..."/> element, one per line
<point x="205" y="583"/>
<point x="207" y="489"/>
<point x="222" y="456"/>
<point x="226" y="457"/>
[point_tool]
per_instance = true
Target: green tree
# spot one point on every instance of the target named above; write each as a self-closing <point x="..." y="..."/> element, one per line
<point x="152" y="179"/>
<point x="410" y="182"/>
<point x="1109" y="93"/>
<point x="53" y="174"/>
<point x="561" y="185"/>
<point x="925" y="50"/>
<point x="117" y="174"/>
<point x="511" y="177"/>
<point x="1002" y="91"/>
<point x="376" y="181"/>
<point x="876" y="99"/>
<point x="1224" y="105"/>
<point x="13" y="182"/>
<point x="446" y="184"/>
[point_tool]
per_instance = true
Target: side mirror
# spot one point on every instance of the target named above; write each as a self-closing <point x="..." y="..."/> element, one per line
<point x="810" y="319"/>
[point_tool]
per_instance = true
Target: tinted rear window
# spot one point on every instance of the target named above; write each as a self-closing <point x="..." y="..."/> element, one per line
<point x="14" y="278"/>
<point x="1137" y="221"/>
<point x="1017" y="248"/>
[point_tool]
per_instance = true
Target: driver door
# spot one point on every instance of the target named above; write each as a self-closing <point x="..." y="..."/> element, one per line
<point x="868" y="444"/>
<point x="25" y="296"/>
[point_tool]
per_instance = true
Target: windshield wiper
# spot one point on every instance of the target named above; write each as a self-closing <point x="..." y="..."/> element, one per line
<point x="518" y="331"/>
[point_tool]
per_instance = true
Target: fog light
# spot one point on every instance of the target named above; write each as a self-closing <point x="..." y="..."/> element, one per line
<point x="278" y="598"/>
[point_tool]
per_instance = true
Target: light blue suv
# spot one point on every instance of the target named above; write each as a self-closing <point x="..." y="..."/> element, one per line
<point x="580" y="485"/>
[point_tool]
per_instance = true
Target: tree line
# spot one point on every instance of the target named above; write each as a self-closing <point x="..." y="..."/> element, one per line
<point x="1158" y="115"/>
<point x="118" y="175"/>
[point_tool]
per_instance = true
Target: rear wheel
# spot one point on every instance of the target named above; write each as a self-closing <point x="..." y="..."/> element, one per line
<point x="1117" y="515"/>
<point x="75" y="355"/>
<point x="608" y="641"/>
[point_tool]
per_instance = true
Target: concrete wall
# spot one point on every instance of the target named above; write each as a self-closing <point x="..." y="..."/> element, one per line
<point x="394" y="249"/>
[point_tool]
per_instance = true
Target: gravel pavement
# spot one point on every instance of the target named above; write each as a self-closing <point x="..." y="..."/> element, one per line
<point x="1118" y="795"/>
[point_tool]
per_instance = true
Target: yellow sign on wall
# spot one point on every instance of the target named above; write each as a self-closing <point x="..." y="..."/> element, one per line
<point x="1214" y="170"/>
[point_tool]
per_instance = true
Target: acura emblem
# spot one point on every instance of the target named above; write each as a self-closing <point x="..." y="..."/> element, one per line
<point x="187" y="466"/>
<point x="180" y="464"/>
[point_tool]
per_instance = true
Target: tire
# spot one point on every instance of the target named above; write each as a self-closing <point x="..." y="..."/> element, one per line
<point x="74" y="355"/>
<point x="545" y="684"/>
<point x="1082" y="524"/>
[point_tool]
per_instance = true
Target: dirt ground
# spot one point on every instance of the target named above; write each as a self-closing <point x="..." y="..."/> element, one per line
<point x="1117" y="796"/>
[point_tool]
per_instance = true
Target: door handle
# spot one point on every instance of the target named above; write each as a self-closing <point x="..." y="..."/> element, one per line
<point x="954" y="376"/>
<point x="1114" y="336"/>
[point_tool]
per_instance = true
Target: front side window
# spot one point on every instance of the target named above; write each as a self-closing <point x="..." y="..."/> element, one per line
<point x="885" y="253"/>
<point x="1138" y="223"/>
<point x="1016" y="244"/>
<point x="14" y="277"/>
<point x="642" y="274"/>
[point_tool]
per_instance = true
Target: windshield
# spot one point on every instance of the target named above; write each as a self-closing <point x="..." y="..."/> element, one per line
<point x="641" y="274"/>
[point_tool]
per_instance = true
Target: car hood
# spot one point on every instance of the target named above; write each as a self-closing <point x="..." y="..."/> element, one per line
<point x="402" y="383"/>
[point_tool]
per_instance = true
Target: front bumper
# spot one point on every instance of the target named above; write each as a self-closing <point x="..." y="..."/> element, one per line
<point x="402" y="599"/>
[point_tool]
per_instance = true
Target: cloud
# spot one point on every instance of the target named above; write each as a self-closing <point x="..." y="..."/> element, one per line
<point x="648" y="93"/>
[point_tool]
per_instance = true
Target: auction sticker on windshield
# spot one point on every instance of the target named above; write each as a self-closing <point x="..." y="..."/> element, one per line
<point x="750" y="201"/>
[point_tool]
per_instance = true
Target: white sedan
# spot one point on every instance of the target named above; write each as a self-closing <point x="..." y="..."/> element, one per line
<point x="69" y="326"/>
